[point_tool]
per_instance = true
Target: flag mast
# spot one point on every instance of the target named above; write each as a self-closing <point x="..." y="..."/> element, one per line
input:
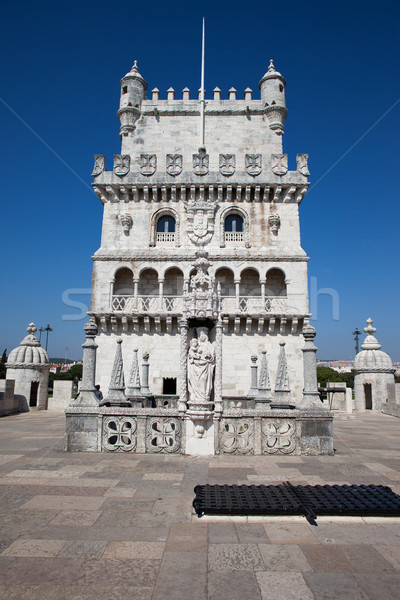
<point x="202" y="100"/>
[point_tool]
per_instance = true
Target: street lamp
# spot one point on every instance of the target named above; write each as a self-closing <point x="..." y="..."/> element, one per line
<point x="356" y="334"/>
<point x="41" y="330"/>
<point x="47" y="330"/>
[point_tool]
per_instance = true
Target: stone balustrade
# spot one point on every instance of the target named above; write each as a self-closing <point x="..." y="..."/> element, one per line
<point x="174" y="304"/>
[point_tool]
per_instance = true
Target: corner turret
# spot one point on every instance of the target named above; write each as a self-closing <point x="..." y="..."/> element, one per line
<point x="133" y="91"/>
<point x="272" y="87"/>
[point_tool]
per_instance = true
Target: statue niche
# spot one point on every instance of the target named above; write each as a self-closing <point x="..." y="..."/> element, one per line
<point x="200" y="369"/>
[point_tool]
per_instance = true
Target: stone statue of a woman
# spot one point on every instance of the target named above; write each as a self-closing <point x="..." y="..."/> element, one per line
<point x="201" y="363"/>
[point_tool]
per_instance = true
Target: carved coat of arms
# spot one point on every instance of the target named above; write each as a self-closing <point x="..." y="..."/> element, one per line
<point x="148" y="164"/>
<point x="174" y="164"/>
<point x="227" y="164"/>
<point x="200" y="221"/>
<point x="99" y="164"/>
<point x="253" y="164"/>
<point x="302" y="164"/>
<point x="279" y="164"/>
<point x="200" y="163"/>
<point x="122" y="164"/>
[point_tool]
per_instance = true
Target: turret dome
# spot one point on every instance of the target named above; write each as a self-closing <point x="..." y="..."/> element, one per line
<point x="372" y="358"/>
<point x="29" y="352"/>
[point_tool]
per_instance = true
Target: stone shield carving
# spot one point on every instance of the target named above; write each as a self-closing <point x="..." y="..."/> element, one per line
<point x="302" y="164"/>
<point x="99" y="164"/>
<point x="278" y="436"/>
<point x="236" y="436"/>
<point x="253" y="164"/>
<point x="119" y="434"/>
<point x="148" y="164"/>
<point x="163" y="435"/>
<point x="174" y="164"/>
<point x="122" y="164"/>
<point x="279" y="164"/>
<point x="200" y="163"/>
<point x="227" y="164"/>
<point x="200" y="223"/>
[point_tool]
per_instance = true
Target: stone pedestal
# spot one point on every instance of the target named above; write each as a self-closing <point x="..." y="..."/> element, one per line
<point x="199" y="433"/>
<point x="87" y="396"/>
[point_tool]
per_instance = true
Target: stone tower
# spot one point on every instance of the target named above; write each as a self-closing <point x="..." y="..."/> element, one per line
<point x="177" y="213"/>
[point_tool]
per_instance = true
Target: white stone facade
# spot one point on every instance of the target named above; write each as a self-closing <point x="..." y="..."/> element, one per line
<point x="166" y="198"/>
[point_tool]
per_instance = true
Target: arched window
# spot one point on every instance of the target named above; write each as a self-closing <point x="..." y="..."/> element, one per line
<point x="276" y="284"/>
<point x="123" y="282"/>
<point x="250" y="283"/>
<point x="234" y="228"/>
<point x="224" y="277"/>
<point x="166" y="229"/>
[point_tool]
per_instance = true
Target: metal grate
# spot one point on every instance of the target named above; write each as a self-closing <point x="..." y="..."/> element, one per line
<point x="287" y="499"/>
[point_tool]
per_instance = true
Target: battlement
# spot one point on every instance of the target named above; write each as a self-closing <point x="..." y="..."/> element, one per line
<point x="232" y="95"/>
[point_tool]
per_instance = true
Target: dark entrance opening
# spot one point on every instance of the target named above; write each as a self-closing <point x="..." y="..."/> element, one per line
<point x="169" y="385"/>
<point x="368" y="396"/>
<point x="34" y="393"/>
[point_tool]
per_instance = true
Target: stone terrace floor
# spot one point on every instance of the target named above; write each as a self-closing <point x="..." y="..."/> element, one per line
<point x="103" y="526"/>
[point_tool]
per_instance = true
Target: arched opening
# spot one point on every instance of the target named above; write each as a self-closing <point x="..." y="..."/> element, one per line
<point x="166" y="228"/>
<point x="250" y="283"/>
<point x="148" y="291"/>
<point x="148" y="283"/>
<point x="275" y="285"/>
<point x="225" y="278"/>
<point x="173" y="282"/>
<point x="34" y="393"/>
<point x="123" y="283"/>
<point x="368" y="396"/>
<point x="234" y="228"/>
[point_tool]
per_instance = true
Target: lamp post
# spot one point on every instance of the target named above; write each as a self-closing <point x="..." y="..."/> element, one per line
<point x="41" y="330"/>
<point x="47" y="330"/>
<point x="356" y="334"/>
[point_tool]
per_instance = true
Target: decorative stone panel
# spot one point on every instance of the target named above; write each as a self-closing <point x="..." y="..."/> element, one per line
<point x="163" y="435"/>
<point x="119" y="434"/>
<point x="236" y="436"/>
<point x="278" y="436"/>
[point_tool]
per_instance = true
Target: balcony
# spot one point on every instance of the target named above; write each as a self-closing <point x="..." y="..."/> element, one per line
<point x="166" y="238"/>
<point x="174" y="304"/>
<point x="234" y="236"/>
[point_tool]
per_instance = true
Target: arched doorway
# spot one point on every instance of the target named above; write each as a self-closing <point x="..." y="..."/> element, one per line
<point x="368" y="396"/>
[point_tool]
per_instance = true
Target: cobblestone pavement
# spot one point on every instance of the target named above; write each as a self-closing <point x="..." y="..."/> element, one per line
<point x="104" y="526"/>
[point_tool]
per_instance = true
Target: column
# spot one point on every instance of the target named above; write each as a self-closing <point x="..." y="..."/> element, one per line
<point x="160" y="292"/>
<point x="254" y="384"/>
<point x="237" y="294"/>
<point x="311" y="399"/>
<point x="184" y="327"/>
<point x="87" y="390"/>
<point x="218" y="369"/>
<point x="145" y="391"/>
<point x="135" y="293"/>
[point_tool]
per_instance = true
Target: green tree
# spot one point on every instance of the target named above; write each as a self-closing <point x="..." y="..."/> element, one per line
<point x="325" y="374"/>
<point x="3" y="361"/>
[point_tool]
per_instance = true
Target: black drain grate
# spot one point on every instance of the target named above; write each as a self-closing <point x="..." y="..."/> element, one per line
<point x="288" y="499"/>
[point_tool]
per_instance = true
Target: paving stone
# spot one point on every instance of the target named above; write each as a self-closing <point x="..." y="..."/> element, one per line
<point x="182" y="575"/>
<point x="83" y="549"/>
<point x="41" y="571"/>
<point x="251" y="533"/>
<point x="234" y="557"/>
<point x="75" y="518"/>
<point x="295" y="533"/>
<point x="110" y="571"/>
<point x="390" y="553"/>
<point x="324" y="558"/>
<point x="163" y="476"/>
<point x="65" y="502"/>
<point x="219" y="533"/>
<point x="40" y="592"/>
<point x="283" y="586"/>
<point x="151" y="550"/>
<point x="187" y="537"/>
<point x="335" y="586"/>
<point x="231" y="585"/>
<point x="285" y="557"/>
<point x="379" y="586"/>
<point x="365" y="559"/>
<point x="34" y="548"/>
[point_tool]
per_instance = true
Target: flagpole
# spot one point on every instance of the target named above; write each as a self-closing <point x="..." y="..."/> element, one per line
<point x="202" y="100"/>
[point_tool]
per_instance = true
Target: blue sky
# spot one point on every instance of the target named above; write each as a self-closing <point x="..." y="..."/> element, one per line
<point x="60" y="72"/>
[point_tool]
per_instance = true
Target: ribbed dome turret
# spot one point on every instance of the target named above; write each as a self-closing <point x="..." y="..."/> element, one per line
<point x="29" y="352"/>
<point x="371" y="356"/>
